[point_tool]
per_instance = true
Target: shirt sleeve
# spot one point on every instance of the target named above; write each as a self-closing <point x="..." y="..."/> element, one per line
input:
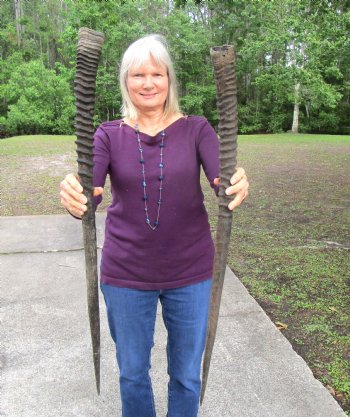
<point x="208" y="150"/>
<point x="101" y="161"/>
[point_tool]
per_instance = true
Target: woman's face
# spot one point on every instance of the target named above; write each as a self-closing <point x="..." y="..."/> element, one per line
<point x="148" y="86"/>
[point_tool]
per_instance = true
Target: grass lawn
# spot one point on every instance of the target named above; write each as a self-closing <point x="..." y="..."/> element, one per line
<point x="290" y="240"/>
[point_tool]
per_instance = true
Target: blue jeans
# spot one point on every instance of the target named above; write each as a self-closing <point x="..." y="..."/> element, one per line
<point x="131" y="317"/>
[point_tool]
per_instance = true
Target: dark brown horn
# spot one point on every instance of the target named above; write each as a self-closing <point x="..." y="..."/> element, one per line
<point x="223" y="59"/>
<point x="88" y="55"/>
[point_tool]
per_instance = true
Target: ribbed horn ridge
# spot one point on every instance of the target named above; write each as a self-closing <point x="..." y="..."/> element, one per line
<point x="223" y="59"/>
<point x="88" y="55"/>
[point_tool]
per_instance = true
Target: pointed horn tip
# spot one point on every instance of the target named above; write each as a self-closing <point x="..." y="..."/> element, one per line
<point x="202" y="393"/>
<point x="98" y="386"/>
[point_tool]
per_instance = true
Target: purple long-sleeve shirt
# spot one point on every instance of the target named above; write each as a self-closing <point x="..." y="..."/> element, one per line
<point x="180" y="250"/>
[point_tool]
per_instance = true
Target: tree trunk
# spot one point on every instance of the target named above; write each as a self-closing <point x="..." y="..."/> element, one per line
<point x="41" y="45"/>
<point x="295" y="125"/>
<point x="307" y="111"/>
<point x="51" y="52"/>
<point x="18" y="15"/>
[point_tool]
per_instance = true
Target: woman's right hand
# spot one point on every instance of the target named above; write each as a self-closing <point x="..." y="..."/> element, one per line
<point x="72" y="197"/>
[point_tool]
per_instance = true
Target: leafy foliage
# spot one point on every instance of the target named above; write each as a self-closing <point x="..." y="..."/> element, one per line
<point x="38" y="100"/>
<point x="290" y="55"/>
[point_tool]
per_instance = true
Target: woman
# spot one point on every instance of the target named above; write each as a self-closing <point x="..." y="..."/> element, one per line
<point x="157" y="238"/>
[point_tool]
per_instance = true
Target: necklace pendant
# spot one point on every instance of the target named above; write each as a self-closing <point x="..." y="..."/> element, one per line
<point x="144" y="182"/>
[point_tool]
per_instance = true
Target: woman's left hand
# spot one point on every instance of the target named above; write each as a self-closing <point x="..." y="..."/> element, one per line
<point x="239" y="187"/>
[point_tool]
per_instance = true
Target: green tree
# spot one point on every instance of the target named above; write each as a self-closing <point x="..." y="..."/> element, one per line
<point x="39" y="101"/>
<point x="293" y="56"/>
<point x="292" y="60"/>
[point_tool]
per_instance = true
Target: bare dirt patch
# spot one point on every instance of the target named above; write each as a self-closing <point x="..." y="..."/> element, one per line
<point x="30" y="184"/>
<point x="57" y="165"/>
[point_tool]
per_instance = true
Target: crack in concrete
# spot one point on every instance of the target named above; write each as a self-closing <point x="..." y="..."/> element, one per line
<point x="45" y="251"/>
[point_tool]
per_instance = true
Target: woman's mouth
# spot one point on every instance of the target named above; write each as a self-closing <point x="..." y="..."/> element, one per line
<point x="148" y="96"/>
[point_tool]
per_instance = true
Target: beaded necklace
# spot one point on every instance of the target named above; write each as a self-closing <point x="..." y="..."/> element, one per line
<point x="160" y="177"/>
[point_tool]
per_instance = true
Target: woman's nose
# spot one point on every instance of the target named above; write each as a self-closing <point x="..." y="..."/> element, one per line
<point x="149" y="83"/>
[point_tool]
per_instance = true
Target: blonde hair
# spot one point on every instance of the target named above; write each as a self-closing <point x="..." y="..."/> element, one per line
<point x="135" y="56"/>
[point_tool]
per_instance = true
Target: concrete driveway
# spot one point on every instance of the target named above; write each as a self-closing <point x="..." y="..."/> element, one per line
<point x="46" y="360"/>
